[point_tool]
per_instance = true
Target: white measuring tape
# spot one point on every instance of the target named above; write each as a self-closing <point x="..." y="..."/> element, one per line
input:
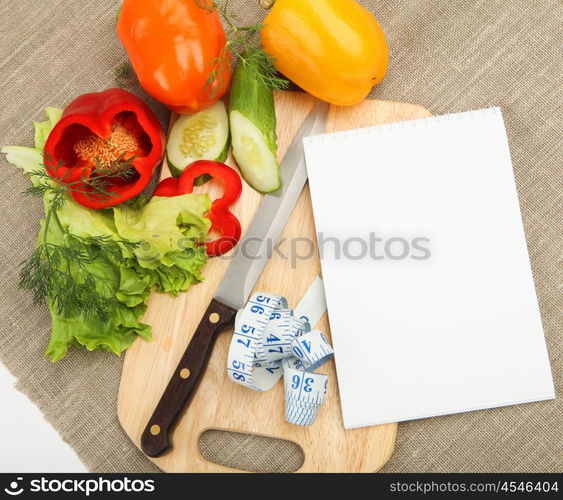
<point x="270" y="340"/>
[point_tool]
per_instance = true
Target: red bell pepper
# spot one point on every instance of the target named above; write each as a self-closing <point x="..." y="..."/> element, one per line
<point x="104" y="130"/>
<point x="222" y="219"/>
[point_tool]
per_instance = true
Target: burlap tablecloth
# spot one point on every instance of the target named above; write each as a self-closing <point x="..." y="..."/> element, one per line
<point x="448" y="55"/>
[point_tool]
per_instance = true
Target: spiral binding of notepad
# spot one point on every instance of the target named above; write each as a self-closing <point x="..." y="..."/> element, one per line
<point x="387" y="127"/>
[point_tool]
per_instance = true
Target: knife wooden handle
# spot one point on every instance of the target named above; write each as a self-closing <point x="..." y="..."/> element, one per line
<point x="156" y="438"/>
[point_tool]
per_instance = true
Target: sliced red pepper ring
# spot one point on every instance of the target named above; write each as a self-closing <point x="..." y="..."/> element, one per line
<point x="167" y="187"/>
<point x="228" y="226"/>
<point x="232" y="185"/>
<point x="222" y="219"/>
<point x="103" y="128"/>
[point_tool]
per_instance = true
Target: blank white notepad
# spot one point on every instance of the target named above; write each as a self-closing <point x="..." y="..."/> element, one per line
<point x="430" y="294"/>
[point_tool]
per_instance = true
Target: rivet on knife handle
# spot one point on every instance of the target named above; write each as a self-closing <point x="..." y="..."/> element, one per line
<point x="156" y="438"/>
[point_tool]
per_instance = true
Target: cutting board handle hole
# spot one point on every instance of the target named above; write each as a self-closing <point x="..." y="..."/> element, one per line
<point x="250" y="452"/>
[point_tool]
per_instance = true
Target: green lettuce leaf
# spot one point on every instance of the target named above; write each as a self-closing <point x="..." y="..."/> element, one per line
<point x="171" y="224"/>
<point x="27" y="159"/>
<point x="43" y="129"/>
<point x="31" y="159"/>
<point x="168" y="230"/>
<point x="165" y="225"/>
<point x="117" y="330"/>
<point x="167" y="258"/>
<point x="82" y="221"/>
<point x="114" y="336"/>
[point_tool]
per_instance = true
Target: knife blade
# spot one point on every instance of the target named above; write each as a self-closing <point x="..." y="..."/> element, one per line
<point x="235" y="288"/>
<point x="270" y="218"/>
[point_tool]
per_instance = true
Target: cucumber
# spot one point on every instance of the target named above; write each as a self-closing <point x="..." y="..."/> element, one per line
<point x="253" y="129"/>
<point x="202" y="136"/>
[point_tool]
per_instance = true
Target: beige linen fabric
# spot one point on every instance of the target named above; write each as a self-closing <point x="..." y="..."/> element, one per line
<point x="447" y="55"/>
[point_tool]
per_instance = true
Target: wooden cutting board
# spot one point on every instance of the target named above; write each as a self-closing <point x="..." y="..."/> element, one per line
<point x="221" y="404"/>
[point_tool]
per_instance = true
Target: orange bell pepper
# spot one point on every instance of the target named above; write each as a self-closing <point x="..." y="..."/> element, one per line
<point x="173" y="46"/>
<point x="333" y="49"/>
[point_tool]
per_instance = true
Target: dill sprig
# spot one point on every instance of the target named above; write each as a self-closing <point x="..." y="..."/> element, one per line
<point x="61" y="273"/>
<point x="95" y="186"/>
<point x="243" y="42"/>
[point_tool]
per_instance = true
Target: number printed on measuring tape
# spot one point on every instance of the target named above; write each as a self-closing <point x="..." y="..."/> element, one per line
<point x="312" y="349"/>
<point x="305" y="392"/>
<point x="269" y="342"/>
<point x="247" y="360"/>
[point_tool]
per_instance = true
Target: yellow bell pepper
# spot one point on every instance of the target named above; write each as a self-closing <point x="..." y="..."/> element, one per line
<point x="333" y="49"/>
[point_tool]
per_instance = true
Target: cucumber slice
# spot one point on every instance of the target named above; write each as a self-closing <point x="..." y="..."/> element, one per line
<point x="257" y="163"/>
<point x="202" y="136"/>
<point x="253" y="128"/>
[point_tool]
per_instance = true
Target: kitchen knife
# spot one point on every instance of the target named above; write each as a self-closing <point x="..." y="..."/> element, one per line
<point x="235" y="288"/>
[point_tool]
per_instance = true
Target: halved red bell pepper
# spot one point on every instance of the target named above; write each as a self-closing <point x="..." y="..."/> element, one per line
<point x="222" y="219"/>
<point x="101" y="129"/>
